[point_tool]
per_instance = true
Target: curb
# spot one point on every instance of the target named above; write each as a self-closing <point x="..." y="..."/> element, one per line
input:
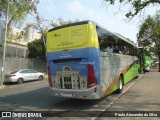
<point x="120" y="95"/>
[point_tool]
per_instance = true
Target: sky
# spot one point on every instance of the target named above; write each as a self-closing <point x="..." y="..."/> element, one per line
<point x="110" y="17"/>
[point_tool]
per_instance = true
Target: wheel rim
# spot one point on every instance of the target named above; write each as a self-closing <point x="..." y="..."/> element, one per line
<point x="40" y="77"/>
<point x="120" y="84"/>
<point x="20" y="80"/>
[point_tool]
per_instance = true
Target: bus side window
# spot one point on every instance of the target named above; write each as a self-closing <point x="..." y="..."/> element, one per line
<point x="102" y="38"/>
<point x="109" y="49"/>
<point x="115" y="49"/>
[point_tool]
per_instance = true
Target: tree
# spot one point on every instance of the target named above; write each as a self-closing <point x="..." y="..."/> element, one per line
<point x="149" y="34"/>
<point x="60" y="22"/>
<point x="137" y="6"/>
<point x="40" y="24"/>
<point x="37" y="48"/>
<point x="18" y="10"/>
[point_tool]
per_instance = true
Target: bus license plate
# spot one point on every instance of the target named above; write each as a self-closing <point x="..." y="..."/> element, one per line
<point x="66" y="94"/>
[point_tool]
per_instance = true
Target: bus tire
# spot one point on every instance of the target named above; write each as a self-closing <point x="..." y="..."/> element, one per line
<point x="121" y="83"/>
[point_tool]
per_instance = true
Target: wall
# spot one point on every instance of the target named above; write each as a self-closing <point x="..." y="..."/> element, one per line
<point x="23" y="63"/>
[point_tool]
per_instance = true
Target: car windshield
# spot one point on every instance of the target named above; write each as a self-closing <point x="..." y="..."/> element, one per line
<point x="13" y="72"/>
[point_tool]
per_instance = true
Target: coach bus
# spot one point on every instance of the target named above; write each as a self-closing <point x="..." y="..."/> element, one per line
<point x="86" y="61"/>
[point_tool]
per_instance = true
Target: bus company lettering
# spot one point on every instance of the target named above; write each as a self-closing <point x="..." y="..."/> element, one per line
<point x="34" y="115"/>
<point x="15" y="114"/>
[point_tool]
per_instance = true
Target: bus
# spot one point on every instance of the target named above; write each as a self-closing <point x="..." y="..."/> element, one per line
<point x="86" y="61"/>
<point x="148" y="61"/>
<point x="146" y="58"/>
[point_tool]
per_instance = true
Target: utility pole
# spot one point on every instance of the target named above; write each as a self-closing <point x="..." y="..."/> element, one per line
<point x="1" y="32"/>
<point x="4" y="48"/>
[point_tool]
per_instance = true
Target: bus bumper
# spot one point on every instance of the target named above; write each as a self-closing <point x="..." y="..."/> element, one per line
<point x="90" y="93"/>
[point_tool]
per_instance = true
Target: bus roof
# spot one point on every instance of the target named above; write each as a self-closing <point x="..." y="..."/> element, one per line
<point x="89" y="21"/>
<point x="125" y="39"/>
<point x="72" y="24"/>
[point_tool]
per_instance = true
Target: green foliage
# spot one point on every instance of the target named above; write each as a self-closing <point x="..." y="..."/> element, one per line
<point x="146" y="31"/>
<point x="18" y="10"/>
<point x="149" y="34"/>
<point x="60" y="22"/>
<point x="15" y="37"/>
<point x="137" y="5"/>
<point x="36" y="49"/>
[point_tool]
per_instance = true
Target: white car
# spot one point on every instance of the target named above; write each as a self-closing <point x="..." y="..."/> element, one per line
<point x="23" y="75"/>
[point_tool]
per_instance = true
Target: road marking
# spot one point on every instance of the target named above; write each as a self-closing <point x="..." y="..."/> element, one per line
<point x="108" y="106"/>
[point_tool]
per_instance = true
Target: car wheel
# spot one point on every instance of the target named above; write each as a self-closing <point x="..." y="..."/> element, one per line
<point x="20" y="81"/>
<point x="40" y="77"/>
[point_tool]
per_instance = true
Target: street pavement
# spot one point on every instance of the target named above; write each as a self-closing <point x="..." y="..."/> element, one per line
<point x="144" y="95"/>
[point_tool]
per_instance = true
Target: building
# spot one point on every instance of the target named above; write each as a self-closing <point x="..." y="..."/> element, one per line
<point x="31" y="35"/>
<point x="18" y="40"/>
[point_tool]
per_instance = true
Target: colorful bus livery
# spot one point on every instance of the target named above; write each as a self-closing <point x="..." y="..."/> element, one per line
<point x="146" y="59"/>
<point x="86" y="61"/>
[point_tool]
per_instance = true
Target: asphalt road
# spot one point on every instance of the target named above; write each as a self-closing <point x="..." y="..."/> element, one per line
<point x="34" y="96"/>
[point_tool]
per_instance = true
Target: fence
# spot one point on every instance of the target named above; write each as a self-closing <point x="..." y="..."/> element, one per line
<point x="23" y="63"/>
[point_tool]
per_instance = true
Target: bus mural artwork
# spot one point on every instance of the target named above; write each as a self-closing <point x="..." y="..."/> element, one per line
<point x="86" y="61"/>
<point x="72" y="79"/>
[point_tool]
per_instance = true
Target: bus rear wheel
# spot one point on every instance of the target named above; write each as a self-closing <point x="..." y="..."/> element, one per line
<point x="120" y="88"/>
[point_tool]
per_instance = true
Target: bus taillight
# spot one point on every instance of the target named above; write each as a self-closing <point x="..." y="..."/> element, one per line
<point x="91" y="76"/>
<point x="49" y="77"/>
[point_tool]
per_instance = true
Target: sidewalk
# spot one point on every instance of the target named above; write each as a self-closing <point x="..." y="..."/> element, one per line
<point x="144" y="95"/>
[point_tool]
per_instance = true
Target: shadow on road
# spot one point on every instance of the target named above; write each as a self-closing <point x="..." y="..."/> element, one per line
<point x="41" y="100"/>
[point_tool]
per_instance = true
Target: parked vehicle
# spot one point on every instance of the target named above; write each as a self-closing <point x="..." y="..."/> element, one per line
<point x="23" y="75"/>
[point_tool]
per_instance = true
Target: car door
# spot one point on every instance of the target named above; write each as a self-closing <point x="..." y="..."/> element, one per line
<point x="33" y="74"/>
<point x="25" y="75"/>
